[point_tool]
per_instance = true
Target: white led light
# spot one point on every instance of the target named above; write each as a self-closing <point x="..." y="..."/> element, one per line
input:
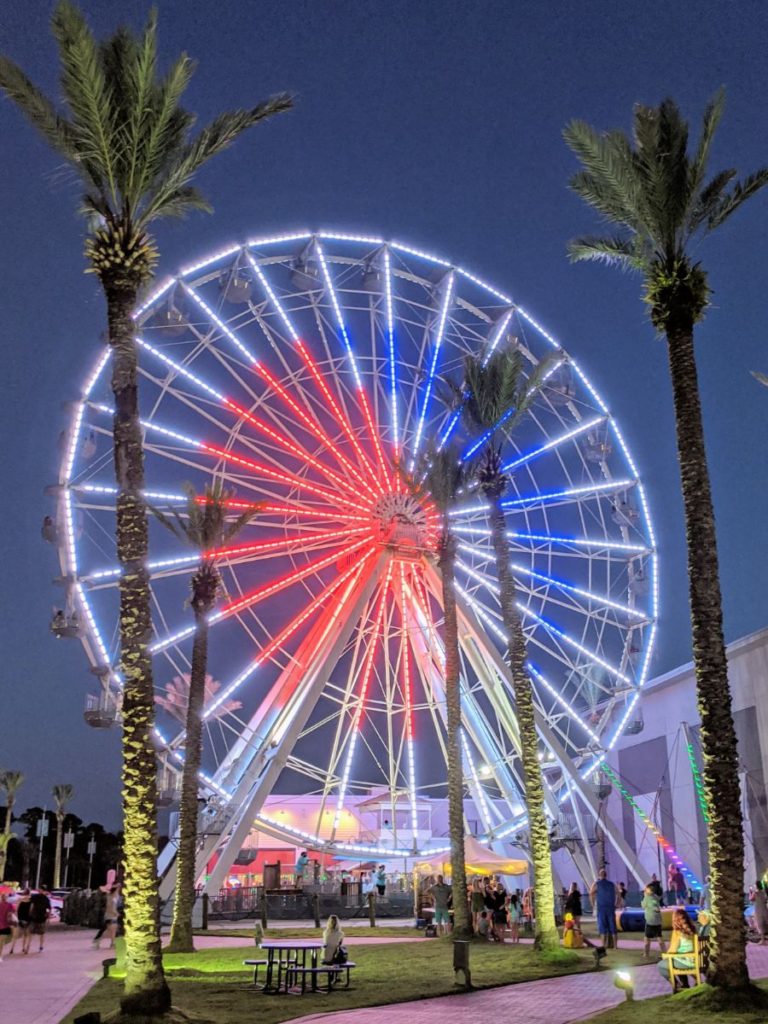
<point x="447" y="296"/>
<point x="365" y="239"/>
<point x="221" y="325"/>
<point x="569" y="492"/>
<point x="257" y="243"/>
<point x="158" y="293"/>
<point x="181" y="370"/>
<point x="497" y="335"/>
<point x="581" y="429"/>
<point x="273" y="297"/>
<point x="556" y="631"/>
<point x="337" y="310"/>
<point x="209" y="260"/>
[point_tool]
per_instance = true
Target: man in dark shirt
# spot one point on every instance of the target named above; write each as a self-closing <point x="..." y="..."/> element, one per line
<point x="39" y="912"/>
<point x="655" y="886"/>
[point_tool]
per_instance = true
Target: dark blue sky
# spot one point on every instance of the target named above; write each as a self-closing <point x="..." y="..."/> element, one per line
<point x="434" y="122"/>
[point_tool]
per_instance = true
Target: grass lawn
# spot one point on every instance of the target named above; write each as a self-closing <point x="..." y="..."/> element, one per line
<point x="213" y="985"/>
<point x="697" y="1005"/>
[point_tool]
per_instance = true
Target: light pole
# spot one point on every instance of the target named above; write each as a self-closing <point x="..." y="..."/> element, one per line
<point x="69" y="840"/>
<point x="91" y="852"/>
<point x="41" y="832"/>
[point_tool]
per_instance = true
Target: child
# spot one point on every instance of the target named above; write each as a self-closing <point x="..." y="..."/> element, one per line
<point x="652" y="909"/>
<point x="513" y="916"/>
<point x="484" y="926"/>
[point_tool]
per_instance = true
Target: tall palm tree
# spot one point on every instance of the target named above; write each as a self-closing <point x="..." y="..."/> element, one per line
<point x="441" y="479"/>
<point x="9" y="784"/>
<point x="495" y="397"/>
<point x="123" y="131"/>
<point x="659" y="196"/>
<point x="206" y="526"/>
<point x="61" y="796"/>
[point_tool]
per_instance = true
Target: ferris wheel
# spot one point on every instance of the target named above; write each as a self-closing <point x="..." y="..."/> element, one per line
<point x="300" y="370"/>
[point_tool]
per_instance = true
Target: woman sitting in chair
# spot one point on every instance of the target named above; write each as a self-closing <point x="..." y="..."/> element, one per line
<point x="681" y="943"/>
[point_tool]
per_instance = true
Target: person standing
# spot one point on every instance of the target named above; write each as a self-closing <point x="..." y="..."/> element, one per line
<point x="652" y="911"/>
<point x="477" y="904"/>
<point x="39" y="912"/>
<point x="603" y="896"/>
<point x="513" y="915"/>
<point x="300" y="867"/>
<point x="498" y="910"/>
<point x="761" y="912"/>
<point x="381" y="880"/>
<point x="440" y="893"/>
<point x="573" y="905"/>
<point x="621" y="896"/>
<point x="705" y="896"/>
<point x="655" y="887"/>
<point x="677" y="885"/>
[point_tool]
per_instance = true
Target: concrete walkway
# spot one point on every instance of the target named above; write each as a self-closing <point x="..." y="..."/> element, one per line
<point x="553" y="1001"/>
<point x="42" y="988"/>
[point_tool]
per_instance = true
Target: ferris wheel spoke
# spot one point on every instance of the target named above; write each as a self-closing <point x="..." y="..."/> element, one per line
<point x="555" y="631"/>
<point x="430" y="381"/>
<point x="593" y="544"/>
<point x="391" y="355"/>
<point x="408" y="710"/>
<point x="240" y="605"/>
<point x="279" y="437"/>
<point x="535" y="453"/>
<point x="360" y="709"/>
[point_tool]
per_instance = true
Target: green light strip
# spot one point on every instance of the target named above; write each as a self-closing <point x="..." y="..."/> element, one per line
<point x="698" y="783"/>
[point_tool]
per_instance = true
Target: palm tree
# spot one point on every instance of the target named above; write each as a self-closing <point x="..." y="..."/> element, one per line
<point x="205" y="527"/>
<point x="124" y="133"/>
<point x="495" y="397"/>
<point x="658" y="195"/>
<point x="61" y="797"/>
<point x="442" y="477"/>
<point x="9" y="784"/>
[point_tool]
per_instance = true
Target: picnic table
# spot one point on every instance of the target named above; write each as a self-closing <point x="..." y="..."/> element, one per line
<point x="288" y="954"/>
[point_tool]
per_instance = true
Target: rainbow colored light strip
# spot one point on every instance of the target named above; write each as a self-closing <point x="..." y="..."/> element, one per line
<point x="666" y="846"/>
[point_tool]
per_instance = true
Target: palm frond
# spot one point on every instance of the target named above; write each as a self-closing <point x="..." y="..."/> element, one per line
<point x="736" y="197"/>
<point x="38" y="109"/>
<point x="87" y="94"/>
<point x="213" y="139"/>
<point x="761" y="377"/>
<point x="440" y="475"/>
<point x="708" y="199"/>
<point x="611" y="250"/>
<point x="182" y="202"/>
<point x="709" y="125"/>
<point x="608" y="181"/>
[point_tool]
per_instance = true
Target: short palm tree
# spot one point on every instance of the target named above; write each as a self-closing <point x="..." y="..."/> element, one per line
<point x="129" y="141"/>
<point x="659" y="196"/>
<point x="441" y="479"/>
<point x="9" y="784"/>
<point x="206" y="526"/>
<point x="61" y="796"/>
<point x="496" y="395"/>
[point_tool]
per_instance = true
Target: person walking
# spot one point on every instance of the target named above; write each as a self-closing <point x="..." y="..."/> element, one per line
<point x="22" y="921"/>
<point x="39" y="912"/>
<point x="111" y="915"/>
<point x="6" y="923"/>
<point x="603" y="897"/>
<point x="573" y="905"/>
<point x="441" y="893"/>
<point x="652" y="911"/>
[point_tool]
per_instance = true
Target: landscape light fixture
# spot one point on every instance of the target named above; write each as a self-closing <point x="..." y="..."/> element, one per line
<point x="623" y="981"/>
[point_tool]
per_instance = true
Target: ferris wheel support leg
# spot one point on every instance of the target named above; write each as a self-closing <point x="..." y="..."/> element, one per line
<point x="265" y="768"/>
<point x="492" y="657"/>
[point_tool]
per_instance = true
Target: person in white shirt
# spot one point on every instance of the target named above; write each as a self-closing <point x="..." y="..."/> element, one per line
<point x="333" y="937"/>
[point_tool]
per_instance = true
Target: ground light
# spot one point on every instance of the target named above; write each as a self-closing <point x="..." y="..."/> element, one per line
<point x="623" y="981"/>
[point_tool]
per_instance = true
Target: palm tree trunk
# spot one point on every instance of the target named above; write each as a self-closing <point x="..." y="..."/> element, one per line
<point x="184" y="898"/>
<point x="146" y="991"/>
<point x="57" y="863"/>
<point x="6" y="831"/>
<point x="461" y="921"/>
<point x="718" y="734"/>
<point x="546" y="936"/>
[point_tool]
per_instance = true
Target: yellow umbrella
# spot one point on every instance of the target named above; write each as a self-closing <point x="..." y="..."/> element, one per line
<point x="478" y="860"/>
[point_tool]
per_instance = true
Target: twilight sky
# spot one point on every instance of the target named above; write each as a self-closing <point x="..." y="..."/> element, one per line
<point x="438" y="123"/>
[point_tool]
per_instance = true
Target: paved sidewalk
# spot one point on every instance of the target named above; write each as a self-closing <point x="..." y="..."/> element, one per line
<point x="41" y="988"/>
<point x="553" y="1001"/>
